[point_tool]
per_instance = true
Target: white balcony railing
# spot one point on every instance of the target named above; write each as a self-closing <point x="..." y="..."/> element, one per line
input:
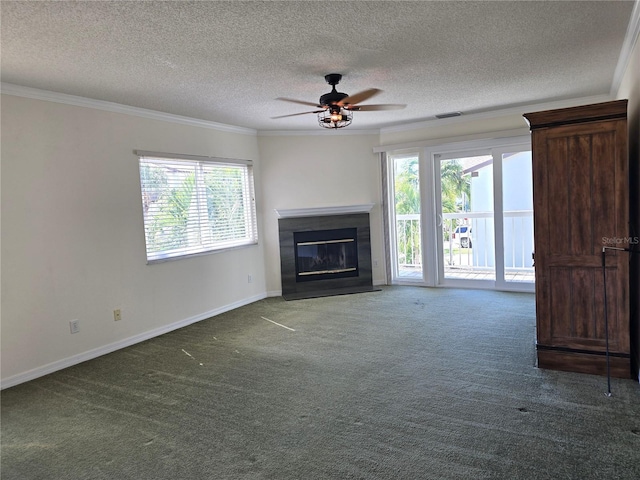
<point x="479" y="259"/>
<point x="408" y="234"/>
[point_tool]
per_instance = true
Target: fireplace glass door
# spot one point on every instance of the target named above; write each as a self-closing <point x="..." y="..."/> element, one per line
<point x="324" y="254"/>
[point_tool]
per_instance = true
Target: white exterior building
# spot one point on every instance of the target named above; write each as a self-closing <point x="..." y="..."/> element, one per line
<point x="517" y="192"/>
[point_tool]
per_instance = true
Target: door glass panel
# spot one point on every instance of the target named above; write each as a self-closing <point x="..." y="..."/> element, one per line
<point x="468" y="246"/>
<point x="517" y="196"/>
<point x="408" y="255"/>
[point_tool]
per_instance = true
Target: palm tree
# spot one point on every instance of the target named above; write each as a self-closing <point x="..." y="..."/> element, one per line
<point x="407" y="202"/>
<point x="456" y="187"/>
<point x="407" y="187"/>
<point x="170" y="221"/>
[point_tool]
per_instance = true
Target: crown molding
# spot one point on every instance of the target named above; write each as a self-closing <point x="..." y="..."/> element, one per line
<point x="518" y="110"/>
<point x="630" y="40"/>
<point x="315" y="132"/>
<point x="49" y="96"/>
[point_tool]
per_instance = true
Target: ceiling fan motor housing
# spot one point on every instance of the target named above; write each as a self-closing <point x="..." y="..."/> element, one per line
<point x="333" y="96"/>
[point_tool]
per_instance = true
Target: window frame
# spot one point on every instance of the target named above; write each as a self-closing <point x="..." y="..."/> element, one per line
<point x="198" y="163"/>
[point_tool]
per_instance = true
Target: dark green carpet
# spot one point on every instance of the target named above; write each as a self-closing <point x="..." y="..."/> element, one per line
<point x="406" y="383"/>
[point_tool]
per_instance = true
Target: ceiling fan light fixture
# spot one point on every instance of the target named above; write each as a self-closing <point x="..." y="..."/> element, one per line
<point x="335" y="118"/>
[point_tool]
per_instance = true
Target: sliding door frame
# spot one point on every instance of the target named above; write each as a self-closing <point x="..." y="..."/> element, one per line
<point x="431" y="241"/>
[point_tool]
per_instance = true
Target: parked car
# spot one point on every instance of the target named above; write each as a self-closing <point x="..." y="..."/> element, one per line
<point x="462" y="236"/>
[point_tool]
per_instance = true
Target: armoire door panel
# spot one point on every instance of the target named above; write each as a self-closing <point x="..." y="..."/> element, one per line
<point x="604" y="205"/>
<point x="559" y="306"/>
<point x="579" y="193"/>
<point x="574" y="314"/>
<point x="556" y="206"/>
<point x="582" y="315"/>
<point x="584" y="206"/>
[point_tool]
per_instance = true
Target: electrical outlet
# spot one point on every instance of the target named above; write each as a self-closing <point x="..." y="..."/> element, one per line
<point x="249" y="278"/>
<point x="74" y="326"/>
<point x="117" y="315"/>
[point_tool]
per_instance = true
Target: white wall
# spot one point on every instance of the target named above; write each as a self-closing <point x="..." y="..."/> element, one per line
<point x="630" y="84"/>
<point x="73" y="239"/>
<point x="319" y="171"/>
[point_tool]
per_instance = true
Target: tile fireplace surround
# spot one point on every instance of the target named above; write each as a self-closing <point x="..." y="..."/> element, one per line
<point x="324" y="221"/>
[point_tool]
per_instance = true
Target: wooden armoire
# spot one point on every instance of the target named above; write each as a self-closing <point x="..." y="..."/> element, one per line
<point x="581" y="204"/>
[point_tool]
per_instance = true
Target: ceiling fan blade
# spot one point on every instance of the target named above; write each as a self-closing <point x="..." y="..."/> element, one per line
<point x="373" y="108"/>
<point x="295" y="114"/>
<point x="301" y="102"/>
<point x="359" y="97"/>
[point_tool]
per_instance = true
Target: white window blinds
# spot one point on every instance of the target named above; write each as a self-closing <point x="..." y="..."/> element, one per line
<point x="194" y="205"/>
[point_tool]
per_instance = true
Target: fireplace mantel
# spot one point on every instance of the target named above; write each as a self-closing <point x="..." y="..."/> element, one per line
<point x="312" y="212"/>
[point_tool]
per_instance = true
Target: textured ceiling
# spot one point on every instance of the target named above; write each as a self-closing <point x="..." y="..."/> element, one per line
<point x="227" y="62"/>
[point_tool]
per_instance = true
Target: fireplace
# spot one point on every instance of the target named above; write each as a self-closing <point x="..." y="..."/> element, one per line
<point x="324" y="254"/>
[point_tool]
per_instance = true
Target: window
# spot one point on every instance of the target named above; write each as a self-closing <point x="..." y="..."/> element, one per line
<point x="193" y="205"/>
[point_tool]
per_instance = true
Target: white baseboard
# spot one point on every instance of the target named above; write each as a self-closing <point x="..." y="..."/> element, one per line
<point x="112" y="347"/>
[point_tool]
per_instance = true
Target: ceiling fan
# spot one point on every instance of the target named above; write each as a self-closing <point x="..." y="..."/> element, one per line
<point x="336" y="108"/>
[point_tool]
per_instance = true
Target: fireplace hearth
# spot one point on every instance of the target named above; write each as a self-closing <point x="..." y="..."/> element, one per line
<point x="322" y="255"/>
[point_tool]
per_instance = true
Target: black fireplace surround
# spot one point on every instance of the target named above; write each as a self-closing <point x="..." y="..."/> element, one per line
<point x="324" y="255"/>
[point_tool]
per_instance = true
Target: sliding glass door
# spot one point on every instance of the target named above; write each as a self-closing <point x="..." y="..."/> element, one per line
<point x="463" y="216"/>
